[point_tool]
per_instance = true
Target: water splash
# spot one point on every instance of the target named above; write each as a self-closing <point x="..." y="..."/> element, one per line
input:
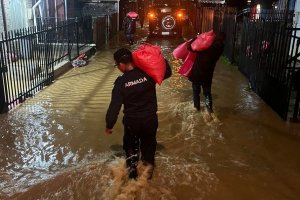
<point x="191" y="120"/>
<point x="108" y="179"/>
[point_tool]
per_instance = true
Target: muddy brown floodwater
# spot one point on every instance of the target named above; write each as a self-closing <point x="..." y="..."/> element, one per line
<point x="53" y="146"/>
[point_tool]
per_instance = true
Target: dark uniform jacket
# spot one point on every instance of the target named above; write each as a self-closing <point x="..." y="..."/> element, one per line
<point x="205" y="62"/>
<point x="129" y="25"/>
<point x="136" y="90"/>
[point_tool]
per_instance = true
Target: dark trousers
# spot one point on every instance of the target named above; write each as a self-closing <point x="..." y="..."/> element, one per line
<point x="140" y="137"/>
<point x="130" y="38"/>
<point x="207" y="93"/>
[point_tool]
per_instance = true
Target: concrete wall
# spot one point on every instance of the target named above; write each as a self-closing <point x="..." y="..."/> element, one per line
<point x="297" y="15"/>
<point x="1" y="16"/>
<point x="29" y="5"/>
<point x="16" y="13"/>
<point x="1" y="20"/>
<point x="99" y="9"/>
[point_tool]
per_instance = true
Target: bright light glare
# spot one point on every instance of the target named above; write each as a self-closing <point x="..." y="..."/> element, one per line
<point x="258" y="8"/>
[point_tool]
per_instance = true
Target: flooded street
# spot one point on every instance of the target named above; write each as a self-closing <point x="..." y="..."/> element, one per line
<point x="53" y="146"/>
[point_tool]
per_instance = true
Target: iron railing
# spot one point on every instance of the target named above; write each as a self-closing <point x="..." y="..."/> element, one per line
<point x="268" y="58"/>
<point x="230" y="29"/>
<point x="28" y="57"/>
<point x="266" y="48"/>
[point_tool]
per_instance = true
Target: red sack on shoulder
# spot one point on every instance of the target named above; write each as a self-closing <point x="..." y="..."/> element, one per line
<point x="150" y="59"/>
<point x="203" y="41"/>
<point x="181" y="51"/>
<point x="132" y="14"/>
<point x="187" y="65"/>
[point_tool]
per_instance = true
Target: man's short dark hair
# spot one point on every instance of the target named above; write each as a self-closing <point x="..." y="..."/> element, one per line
<point x="123" y="56"/>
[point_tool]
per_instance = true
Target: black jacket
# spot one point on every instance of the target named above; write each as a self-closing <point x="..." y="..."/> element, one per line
<point x="136" y="90"/>
<point x="129" y="25"/>
<point x="205" y="62"/>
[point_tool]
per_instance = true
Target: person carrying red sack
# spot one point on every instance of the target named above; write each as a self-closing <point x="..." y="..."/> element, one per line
<point x="136" y="90"/>
<point x="129" y="26"/>
<point x="203" y="68"/>
<point x="149" y="59"/>
<point x="197" y="44"/>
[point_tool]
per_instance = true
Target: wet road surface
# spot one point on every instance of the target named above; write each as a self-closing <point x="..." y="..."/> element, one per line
<point x="53" y="146"/>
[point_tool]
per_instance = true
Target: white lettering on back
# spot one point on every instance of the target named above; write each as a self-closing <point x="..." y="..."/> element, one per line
<point x="138" y="81"/>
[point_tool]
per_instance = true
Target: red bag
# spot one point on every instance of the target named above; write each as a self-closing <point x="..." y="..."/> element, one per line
<point x="150" y="59"/>
<point x="181" y="51"/>
<point x="132" y="14"/>
<point x="187" y="66"/>
<point x="203" y="41"/>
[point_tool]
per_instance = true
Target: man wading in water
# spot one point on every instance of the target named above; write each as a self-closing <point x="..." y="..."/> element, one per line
<point x="136" y="91"/>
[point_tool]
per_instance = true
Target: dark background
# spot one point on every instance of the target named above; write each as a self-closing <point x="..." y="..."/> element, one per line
<point x="243" y="3"/>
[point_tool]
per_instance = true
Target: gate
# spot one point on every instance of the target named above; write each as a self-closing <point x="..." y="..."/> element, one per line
<point x="28" y="57"/>
<point x="26" y="65"/>
<point x="268" y="58"/>
<point x="230" y="28"/>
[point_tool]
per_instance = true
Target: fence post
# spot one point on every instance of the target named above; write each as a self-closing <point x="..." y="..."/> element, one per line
<point x="235" y="39"/>
<point x="107" y="29"/>
<point x="49" y="52"/>
<point x="3" y="105"/>
<point x="297" y="101"/>
<point x="296" y="107"/>
<point x="77" y="35"/>
<point x="67" y="24"/>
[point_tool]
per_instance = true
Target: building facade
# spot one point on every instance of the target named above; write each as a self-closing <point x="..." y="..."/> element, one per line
<point x="15" y="14"/>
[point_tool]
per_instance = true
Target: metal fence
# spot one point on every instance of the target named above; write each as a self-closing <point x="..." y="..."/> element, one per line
<point x="265" y="47"/>
<point x="100" y="32"/>
<point x="28" y="57"/>
<point x="230" y="27"/>
<point x="104" y="28"/>
<point x="113" y="24"/>
<point x="268" y="57"/>
<point x="233" y="27"/>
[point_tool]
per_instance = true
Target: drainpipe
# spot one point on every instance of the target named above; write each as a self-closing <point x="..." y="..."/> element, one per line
<point x="287" y="4"/>
<point x="118" y="15"/>
<point x="47" y="9"/>
<point x="66" y="10"/>
<point x="33" y="10"/>
<point x="55" y="11"/>
<point x="287" y="11"/>
<point x="4" y="18"/>
<point x="3" y="105"/>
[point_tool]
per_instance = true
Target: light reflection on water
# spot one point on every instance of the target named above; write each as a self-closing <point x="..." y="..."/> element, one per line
<point x="35" y="153"/>
<point x="54" y="147"/>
